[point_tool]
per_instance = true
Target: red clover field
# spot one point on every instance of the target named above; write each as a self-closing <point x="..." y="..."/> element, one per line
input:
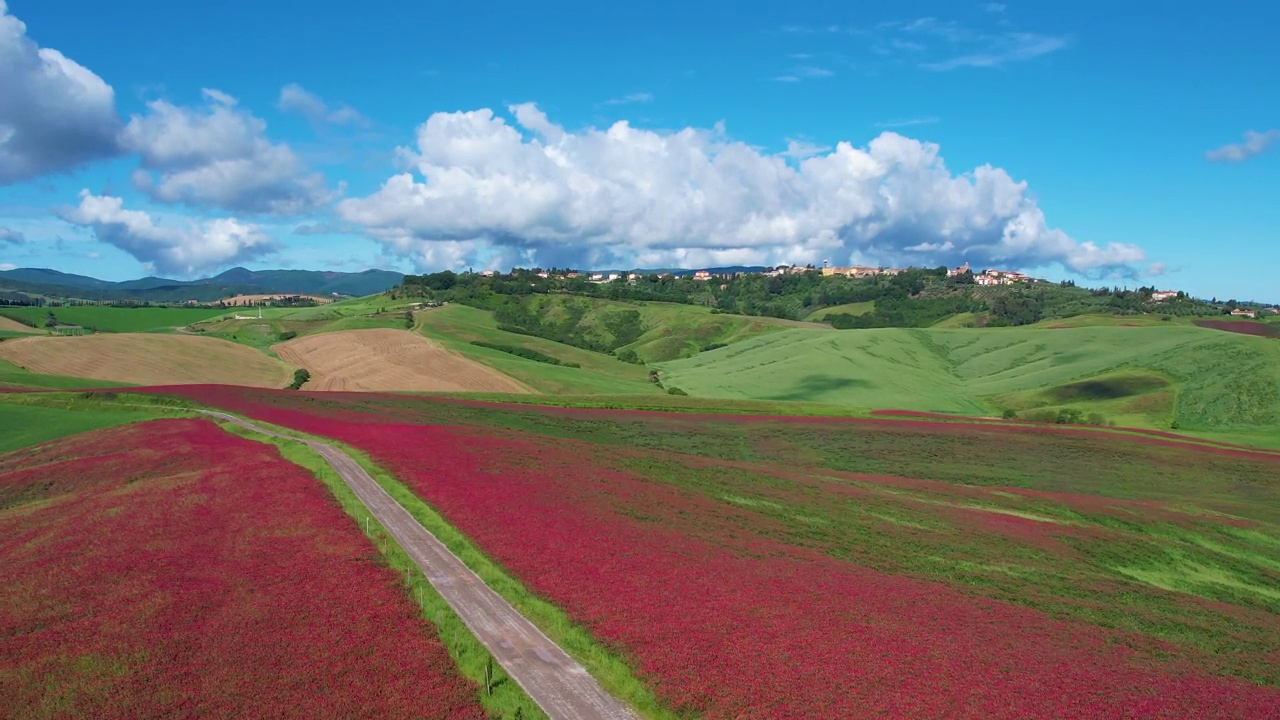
<point x="809" y="567"/>
<point x="169" y="569"/>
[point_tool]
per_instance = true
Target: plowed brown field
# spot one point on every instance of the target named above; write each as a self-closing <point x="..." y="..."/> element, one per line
<point x="146" y="359"/>
<point x="385" y="359"/>
<point x="15" y="326"/>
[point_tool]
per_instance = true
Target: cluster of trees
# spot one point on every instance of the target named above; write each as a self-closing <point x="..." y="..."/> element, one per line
<point x="572" y="323"/>
<point x="791" y="296"/>
<point x="914" y="298"/>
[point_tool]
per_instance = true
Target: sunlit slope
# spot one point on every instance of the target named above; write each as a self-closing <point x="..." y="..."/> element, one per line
<point x="145" y="359"/>
<point x="1196" y="377"/>
<point x="457" y="327"/>
<point x="671" y="330"/>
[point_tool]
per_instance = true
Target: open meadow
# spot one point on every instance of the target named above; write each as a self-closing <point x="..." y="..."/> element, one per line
<point x="1145" y="376"/>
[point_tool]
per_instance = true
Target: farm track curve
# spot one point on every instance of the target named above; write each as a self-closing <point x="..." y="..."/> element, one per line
<point x="555" y="681"/>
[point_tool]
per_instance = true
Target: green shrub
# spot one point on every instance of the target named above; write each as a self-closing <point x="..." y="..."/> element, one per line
<point x="300" y="378"/>
<point x="526" y="353"/>
<point x="1009" y="414"/>
<point x="676" y="391"/>
<point x="288" y="335"/>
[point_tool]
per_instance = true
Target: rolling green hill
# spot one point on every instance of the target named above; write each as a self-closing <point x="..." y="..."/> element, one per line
<point x="654" y="331"/>
<point x="280" y="323"/>
<point x="1144" y="376"/>
<point x="114" y="319"/>
<point x="458" y="326"/>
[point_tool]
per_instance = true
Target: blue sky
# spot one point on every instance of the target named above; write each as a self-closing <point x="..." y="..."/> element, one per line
<point x="1092" y="141"/>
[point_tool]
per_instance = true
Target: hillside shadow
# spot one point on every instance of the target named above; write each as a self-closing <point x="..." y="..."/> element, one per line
<point x="812" y="385"/>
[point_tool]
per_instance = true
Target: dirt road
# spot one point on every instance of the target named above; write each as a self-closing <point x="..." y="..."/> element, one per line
<point x="555" y="681"/>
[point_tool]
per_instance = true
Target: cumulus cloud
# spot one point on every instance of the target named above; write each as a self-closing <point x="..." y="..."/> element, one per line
<point x="293" y="98"/>
<point x="313" y="229"/>
<point x="480" y="189"/>
<point x="219" y="156"/>
<point x="1254" y="143"/>
<point x="185" y="250"/>
<point x="11" y="237"/>
<point x="54" y="113"/>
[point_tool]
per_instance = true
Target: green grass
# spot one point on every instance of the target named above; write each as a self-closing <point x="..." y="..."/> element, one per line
<point x="1216" y="381"/>
<point x="374" y="311"/>
<point x="116" y="319"/>
<point x="672" y="330"/>
<point x="858" y="308"/>
<point x="13" y="376"/>
<point x="1100" y="320"/>
<point x="457" y="326"/>
<point x="23" y="424"/>
<point x="607" y="668"/>
<point x="467" y="652"/>
<point x="959" y="320"/>
<point x="261" y="334"/>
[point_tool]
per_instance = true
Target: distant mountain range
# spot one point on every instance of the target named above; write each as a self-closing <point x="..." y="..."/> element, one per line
<point x="236" y="281"/>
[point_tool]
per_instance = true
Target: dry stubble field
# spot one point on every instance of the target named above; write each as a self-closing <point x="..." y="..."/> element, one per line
<point x="147" y="359"/>
<point x="385" y="359"/>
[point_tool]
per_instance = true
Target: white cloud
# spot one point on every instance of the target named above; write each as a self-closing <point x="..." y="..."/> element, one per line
<point x="54" y="113"/>
<point x="1007" y="48"/>
<point x="293" y="98"/>
<point x="11" y="237"/>
<point x="941" y="45"/>
<point x="908" y="122"/>
<point x="631" y="99"/>
<point x="478" y="188"/>
<point x="994" y="7"/>
<point x="313" y="229"/>
<point x="801" y="149"/>
<point x="8" y="266"/>
<point x="219" y="156"/>
<point x="1254" y="143"/>
<point x="814" y="72"/>
<point x="184" y="250"/>
<point x="807" y="72"/>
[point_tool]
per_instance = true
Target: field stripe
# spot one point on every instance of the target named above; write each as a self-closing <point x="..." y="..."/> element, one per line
<point x="555" y="681"/>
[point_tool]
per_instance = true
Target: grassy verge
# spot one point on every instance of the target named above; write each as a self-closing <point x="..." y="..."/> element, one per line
<point x="613" y="674"/>
<point x="470" y="656"/>
<point x="33" y="419"/>
<point x="14" y="376"/>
